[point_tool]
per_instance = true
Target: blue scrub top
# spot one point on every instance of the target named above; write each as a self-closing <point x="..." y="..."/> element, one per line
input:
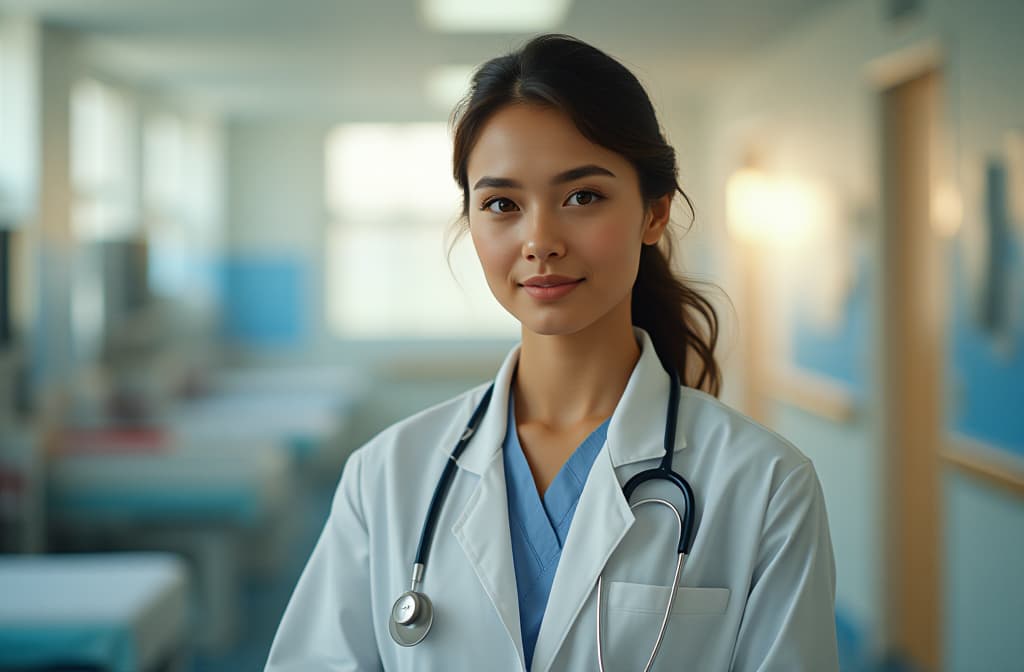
<point x="538" y="526"/>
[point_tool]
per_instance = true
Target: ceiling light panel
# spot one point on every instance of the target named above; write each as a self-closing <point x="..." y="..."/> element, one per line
<point x="473" y="16"/>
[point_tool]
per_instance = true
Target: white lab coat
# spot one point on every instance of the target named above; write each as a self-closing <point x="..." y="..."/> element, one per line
<point x="757" y="589"/>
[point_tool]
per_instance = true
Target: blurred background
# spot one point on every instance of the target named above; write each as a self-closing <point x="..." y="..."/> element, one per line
<point x="223" y="231"/>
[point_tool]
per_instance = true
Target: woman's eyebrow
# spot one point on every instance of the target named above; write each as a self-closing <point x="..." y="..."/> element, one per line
<point x="588" y="170"/>
<point x="496" y="183"/>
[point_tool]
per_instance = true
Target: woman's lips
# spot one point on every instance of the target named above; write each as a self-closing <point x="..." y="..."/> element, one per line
<point x="550" y="287"/>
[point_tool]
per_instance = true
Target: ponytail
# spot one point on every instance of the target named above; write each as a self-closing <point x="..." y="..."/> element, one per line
<point x="681" y="322"/>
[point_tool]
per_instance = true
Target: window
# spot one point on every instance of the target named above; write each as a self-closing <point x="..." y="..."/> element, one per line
<point x="180" y="199"/>
<point x="104" y="209"/>
<point x="4" y="122"/>
<point x="19" y="121"/>
<point x="391" y="201"/>
<point x="103" y="163"/>
<point x="10" y="154"/>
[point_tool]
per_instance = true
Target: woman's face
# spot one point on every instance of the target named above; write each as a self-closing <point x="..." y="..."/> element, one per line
<point x="557" y="221"/>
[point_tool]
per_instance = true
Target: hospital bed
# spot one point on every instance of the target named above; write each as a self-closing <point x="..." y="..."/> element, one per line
<point x="212" y="479"/>
<point x="151" y="489"/>
<point x="311" y="427"/>
<point x="116" y="612"/>
<point x="153" y="476"/>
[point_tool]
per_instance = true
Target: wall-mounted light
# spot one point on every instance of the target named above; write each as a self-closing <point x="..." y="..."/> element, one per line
<point x="766" y="210"/>
<point x="947" y="209"/>
<point x="790" y="227"/>
<point x="473" y="16"/>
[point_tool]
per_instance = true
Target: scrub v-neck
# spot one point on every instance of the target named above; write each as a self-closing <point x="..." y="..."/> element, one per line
<point x="539" y="526"/>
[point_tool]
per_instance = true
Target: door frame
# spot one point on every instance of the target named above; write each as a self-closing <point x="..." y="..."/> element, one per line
<point x="913" y="632"/>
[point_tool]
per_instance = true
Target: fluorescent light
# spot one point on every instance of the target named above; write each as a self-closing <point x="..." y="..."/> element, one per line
<point x="447" y="84"/>
<point x="474" y="16"/>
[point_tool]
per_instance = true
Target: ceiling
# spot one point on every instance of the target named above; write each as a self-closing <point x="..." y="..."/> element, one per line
<point x="369" y="60"/>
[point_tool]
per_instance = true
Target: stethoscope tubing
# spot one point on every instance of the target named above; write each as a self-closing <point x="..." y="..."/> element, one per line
<point x="664" y="470"/>
<point x="673" y="591"/>
<point x="445" y="482"/>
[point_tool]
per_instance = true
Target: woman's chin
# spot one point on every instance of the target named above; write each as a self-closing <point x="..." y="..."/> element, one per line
<point x="553" y="325"/>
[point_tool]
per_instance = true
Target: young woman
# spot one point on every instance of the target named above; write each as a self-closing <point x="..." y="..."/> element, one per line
<point x="541" y="548"/>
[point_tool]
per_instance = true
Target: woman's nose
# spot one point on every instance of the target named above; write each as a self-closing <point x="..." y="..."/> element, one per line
<point x="542" y="240"/>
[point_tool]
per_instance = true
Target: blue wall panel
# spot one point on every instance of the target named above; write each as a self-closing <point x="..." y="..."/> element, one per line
<point x="842" y="354"/>
<point x="986" y="355"/>
<point x="265" y="300"/>
<point x="988" y="373"/>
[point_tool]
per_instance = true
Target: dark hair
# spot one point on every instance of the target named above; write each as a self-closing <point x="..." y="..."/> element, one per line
<point x="610" y="108"/>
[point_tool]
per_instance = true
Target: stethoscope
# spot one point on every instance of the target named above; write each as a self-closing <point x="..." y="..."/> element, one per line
<point x="413" y="613"/>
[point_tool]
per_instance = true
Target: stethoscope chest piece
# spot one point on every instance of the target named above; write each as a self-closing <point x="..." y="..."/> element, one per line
<point x="411" y="618"/>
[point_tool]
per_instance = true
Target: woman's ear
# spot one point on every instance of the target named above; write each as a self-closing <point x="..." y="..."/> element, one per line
<point x="658" y="212"/>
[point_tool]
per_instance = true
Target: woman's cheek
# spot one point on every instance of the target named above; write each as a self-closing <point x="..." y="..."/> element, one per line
<point x="492" y="252"/>
<point x="611" y="241"/>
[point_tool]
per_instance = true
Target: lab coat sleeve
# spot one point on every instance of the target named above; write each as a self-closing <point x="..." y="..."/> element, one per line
<point x="328" y="624"/>
<point x="789" y="620"/>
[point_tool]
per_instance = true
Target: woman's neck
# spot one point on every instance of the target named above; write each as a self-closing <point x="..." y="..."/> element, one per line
<point x="565" y="380"/>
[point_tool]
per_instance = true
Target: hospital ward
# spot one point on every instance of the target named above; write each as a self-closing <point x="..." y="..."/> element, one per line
<point x="545" y="335"/>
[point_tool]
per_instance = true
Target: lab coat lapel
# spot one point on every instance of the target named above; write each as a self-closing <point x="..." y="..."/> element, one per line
<point x="482" y="531"/>
<point x="637" y="429"/>
<point x="601" y="521"/>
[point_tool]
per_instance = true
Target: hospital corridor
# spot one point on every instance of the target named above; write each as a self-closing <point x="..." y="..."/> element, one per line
<point x="232" y="253"/>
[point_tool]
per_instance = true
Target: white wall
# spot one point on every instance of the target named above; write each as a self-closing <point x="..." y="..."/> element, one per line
<point x="984" y="545"/>
<point x="276" y="185"/>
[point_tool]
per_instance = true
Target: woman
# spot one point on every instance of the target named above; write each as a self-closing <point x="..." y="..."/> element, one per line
<point x="538" y="556"/>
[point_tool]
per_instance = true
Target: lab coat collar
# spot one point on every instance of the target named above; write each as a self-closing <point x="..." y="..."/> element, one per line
<point x="487" y="441"/>
<point x="637" y="428"/>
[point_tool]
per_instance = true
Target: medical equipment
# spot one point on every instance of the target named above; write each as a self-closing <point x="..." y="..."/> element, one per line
<point x="413" y="614"/>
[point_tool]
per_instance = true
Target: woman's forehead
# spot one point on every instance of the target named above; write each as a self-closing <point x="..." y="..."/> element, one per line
<point x="525" y="141"/>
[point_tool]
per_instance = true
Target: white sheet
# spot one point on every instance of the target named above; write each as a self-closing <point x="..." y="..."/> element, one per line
<point x="120" y="611"/>
<point x="239" y="482"/>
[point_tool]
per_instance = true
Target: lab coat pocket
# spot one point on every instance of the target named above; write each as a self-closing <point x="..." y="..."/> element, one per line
<point x="694" y="637"/>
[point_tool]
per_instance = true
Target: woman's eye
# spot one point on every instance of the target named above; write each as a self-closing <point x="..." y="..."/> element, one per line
<point x="499" y="205"/>
<point x="583" y="197"/>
